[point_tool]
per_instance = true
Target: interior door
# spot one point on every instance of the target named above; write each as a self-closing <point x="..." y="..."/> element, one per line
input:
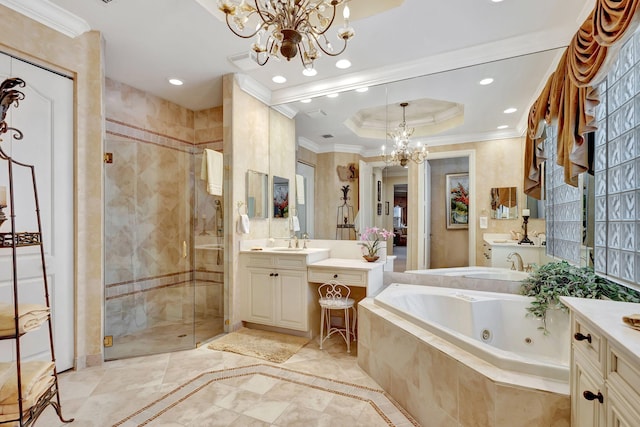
<point x="45" y="118"/>
<point x="365" y="198"/>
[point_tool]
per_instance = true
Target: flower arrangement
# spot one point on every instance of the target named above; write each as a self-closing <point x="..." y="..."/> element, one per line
<point x="371" y="239"/>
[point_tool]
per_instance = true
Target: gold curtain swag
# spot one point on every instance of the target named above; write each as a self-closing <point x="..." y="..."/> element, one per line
<point x="569" y="98"/>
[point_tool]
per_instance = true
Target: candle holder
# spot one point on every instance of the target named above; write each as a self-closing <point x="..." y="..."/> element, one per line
<point x="525" y="239"/>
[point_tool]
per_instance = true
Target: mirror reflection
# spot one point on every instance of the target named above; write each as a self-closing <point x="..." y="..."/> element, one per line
<point x="504" y="203"/>
<point x="257" y="190"/>
<point x="280" y="197"/>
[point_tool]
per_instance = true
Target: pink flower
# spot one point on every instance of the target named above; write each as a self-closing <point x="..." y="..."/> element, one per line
<point x="372" y="237"/>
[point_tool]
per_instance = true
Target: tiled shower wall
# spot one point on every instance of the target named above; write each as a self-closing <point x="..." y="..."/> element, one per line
<point x="617" y="168"/>
<point x="154" y="200"/>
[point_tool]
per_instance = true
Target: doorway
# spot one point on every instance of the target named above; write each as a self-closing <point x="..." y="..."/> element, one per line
<point x="443" y="245"/>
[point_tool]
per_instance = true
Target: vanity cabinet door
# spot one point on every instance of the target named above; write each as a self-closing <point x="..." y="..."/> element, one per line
<point x="586" y="388"/>
<point x="291" y="299"/>
<point x="260" y="296"/>
<point x="619" y="412"/>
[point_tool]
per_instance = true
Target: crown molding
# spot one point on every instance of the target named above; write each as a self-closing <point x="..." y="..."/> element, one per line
<point x="496" y="51"/>
<point x="252" y="87"/>
<point x="286" y="110"/>
<point x="308" y="144"/>
<point x="51" y="15"/>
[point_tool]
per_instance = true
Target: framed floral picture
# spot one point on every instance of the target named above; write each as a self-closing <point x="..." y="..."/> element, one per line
<point x="457" y="193"/>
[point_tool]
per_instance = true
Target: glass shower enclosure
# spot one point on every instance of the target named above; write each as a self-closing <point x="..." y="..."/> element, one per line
<point x="163" y="252"/>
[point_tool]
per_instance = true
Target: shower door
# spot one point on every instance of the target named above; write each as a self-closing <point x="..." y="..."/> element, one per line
<point x="150" y="289"/>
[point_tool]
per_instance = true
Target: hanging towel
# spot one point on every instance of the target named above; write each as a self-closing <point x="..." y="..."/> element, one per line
<point x="294" y="223"/>
<point x="300" y="189"/>
<point x="243" y="224"/>
<point x="211" y="171"/>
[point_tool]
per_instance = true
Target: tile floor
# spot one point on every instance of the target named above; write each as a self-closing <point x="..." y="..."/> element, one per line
<point x="203" y="387"/>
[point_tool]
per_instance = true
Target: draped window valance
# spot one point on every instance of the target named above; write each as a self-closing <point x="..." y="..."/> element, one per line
<point x="569" y="97"/>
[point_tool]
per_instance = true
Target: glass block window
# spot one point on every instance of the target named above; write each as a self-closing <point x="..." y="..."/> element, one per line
<point x="563" y="207"/>
<point x="617" y="169"/>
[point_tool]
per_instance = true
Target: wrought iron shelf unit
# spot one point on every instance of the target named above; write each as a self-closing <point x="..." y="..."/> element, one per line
<point x="29" y="407"/>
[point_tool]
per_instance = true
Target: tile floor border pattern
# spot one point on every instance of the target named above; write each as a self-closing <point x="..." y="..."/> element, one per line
<point x="388" y="409"/>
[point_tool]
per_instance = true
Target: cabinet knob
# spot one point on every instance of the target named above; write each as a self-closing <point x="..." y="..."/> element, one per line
<point x="271" y="275"/>
<point x="579" y="337"/>
<point x="275" y="274"/>
<point x="335" y="276"/>
<point x="589" y="395"/>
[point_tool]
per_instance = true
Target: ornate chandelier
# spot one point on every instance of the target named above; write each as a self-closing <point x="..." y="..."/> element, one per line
<point x="403" y="149"/>
<point x="287" y="27"/>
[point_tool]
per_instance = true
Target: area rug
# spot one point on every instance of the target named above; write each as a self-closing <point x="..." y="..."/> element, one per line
<point x="271" y="346"/>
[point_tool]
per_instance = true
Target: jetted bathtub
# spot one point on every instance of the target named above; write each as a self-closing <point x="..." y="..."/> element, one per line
<point x="493" y="273"/>
<point x="492" y="326"/>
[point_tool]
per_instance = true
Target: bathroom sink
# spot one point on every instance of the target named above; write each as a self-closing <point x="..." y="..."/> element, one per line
<point x="287" y="249"/>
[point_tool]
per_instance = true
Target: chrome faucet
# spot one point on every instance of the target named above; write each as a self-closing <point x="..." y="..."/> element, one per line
<point x="516" y="264"/>
<point x="295" y="241"/>
<point x="305" y="237"/>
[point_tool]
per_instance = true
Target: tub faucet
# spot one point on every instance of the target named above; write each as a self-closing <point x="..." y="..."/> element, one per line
<point x="516" y="264"/>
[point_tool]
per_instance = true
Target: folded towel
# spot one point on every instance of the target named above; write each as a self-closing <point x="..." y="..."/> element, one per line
<point x="294" y="223"/>
<point x="243" y="224"/>
<point x="300" y="189"/>
<point x="212" y="171"/>
<point x="11" y="410"/>
<point x="30" y="317"/>
<point x="32" y="372"/>
<point x="632" y="320"/>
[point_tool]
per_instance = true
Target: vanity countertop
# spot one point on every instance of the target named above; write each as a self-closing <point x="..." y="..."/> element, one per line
<point x="351" y="263"/>
<point x="607" y="316"/>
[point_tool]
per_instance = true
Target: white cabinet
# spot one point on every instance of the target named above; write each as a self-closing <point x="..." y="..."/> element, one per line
<point x="605" y="364"/>
<point x="275" y="290"/>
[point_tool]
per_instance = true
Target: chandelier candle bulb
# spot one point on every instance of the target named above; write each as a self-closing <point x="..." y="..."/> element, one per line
<point x="526" y="212"/>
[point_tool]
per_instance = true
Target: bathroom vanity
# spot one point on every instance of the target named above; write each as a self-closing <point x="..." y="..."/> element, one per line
<point x="497" y="247"/>
<point x="605" y="364"/>
<point x="279" y="285"/>
<point x="275" y="290"/>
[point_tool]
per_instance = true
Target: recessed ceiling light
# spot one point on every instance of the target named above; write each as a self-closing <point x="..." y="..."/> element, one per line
<point x="305" y="101"/>
<point x="503" y="126"/>
<point x="510" y="110"/>
<point x="278" y="79"/>
<point x="486" y="81"/>
<point x="332" y="95"/>
<point x="309" y="72"/>
<point x="343" y="64"/>
<point x="176" y="82"/>
<point x="496" y="1"/>
<point x="362" y="89"/>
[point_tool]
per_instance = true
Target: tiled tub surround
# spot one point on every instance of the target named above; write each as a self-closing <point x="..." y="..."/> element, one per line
<point x="441" y="384"/>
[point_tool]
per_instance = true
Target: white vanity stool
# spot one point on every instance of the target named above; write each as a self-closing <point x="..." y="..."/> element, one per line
<point x="335" y="296"/>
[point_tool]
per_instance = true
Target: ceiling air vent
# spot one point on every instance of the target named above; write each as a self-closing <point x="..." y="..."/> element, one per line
<point x="327" y="136"/>
<point x="107" y="1"/>
<point x="316" y="114"/>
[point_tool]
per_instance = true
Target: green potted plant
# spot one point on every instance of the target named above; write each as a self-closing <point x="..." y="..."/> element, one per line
<point x="547" y="283"/>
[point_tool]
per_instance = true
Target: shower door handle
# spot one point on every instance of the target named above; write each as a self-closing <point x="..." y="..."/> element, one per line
<point x="184" y="249"/>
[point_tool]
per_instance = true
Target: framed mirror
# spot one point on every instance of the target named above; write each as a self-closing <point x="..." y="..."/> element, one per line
<point x="257" y="194"/>
<point x="280" y="197"/>
<point x="504" y="203"/>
